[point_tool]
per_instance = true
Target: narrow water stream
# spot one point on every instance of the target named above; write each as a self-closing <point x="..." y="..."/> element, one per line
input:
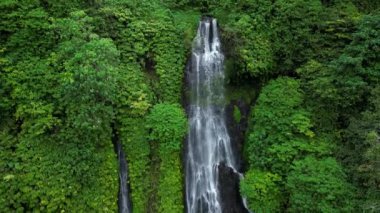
<point x="123" y="201"/>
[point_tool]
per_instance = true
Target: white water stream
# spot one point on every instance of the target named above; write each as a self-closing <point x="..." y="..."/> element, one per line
<point x="208" y="142"/>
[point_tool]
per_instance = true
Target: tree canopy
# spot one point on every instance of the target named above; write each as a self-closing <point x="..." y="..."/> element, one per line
<point x="302" y="91"/>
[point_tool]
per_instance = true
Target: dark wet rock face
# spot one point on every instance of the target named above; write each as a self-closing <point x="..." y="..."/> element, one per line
<point x="237" y="130"/>
<point x="228" y="178"/>
<point x="230" y="196"/>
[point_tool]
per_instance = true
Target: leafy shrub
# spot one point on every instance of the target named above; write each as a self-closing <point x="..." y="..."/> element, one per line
<point x="167" y="124"/>
<point x="261" y="190"/>
<point x="319" y="186"/>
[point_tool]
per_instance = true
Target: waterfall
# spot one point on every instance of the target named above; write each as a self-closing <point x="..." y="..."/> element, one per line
<point x="208" y="142"/>
<point x="124" y="205"/>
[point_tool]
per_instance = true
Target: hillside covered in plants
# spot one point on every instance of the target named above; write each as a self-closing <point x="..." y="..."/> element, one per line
<point x="302" y="98"/>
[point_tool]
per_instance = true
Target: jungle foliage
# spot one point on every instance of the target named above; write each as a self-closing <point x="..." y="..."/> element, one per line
<point x="72" y="73"/>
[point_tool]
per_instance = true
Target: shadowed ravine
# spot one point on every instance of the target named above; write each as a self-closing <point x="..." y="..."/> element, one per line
<point x="209" y="150"/>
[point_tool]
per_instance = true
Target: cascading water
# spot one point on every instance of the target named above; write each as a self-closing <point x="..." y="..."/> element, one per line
<point x="208" y="143"/>
<point x="124" y="205"/>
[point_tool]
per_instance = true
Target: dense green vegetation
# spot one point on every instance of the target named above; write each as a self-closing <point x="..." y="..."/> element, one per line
<point x="72" y="73"/>
<point x="314" y="125"/>
<point x="168" y="126"/>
